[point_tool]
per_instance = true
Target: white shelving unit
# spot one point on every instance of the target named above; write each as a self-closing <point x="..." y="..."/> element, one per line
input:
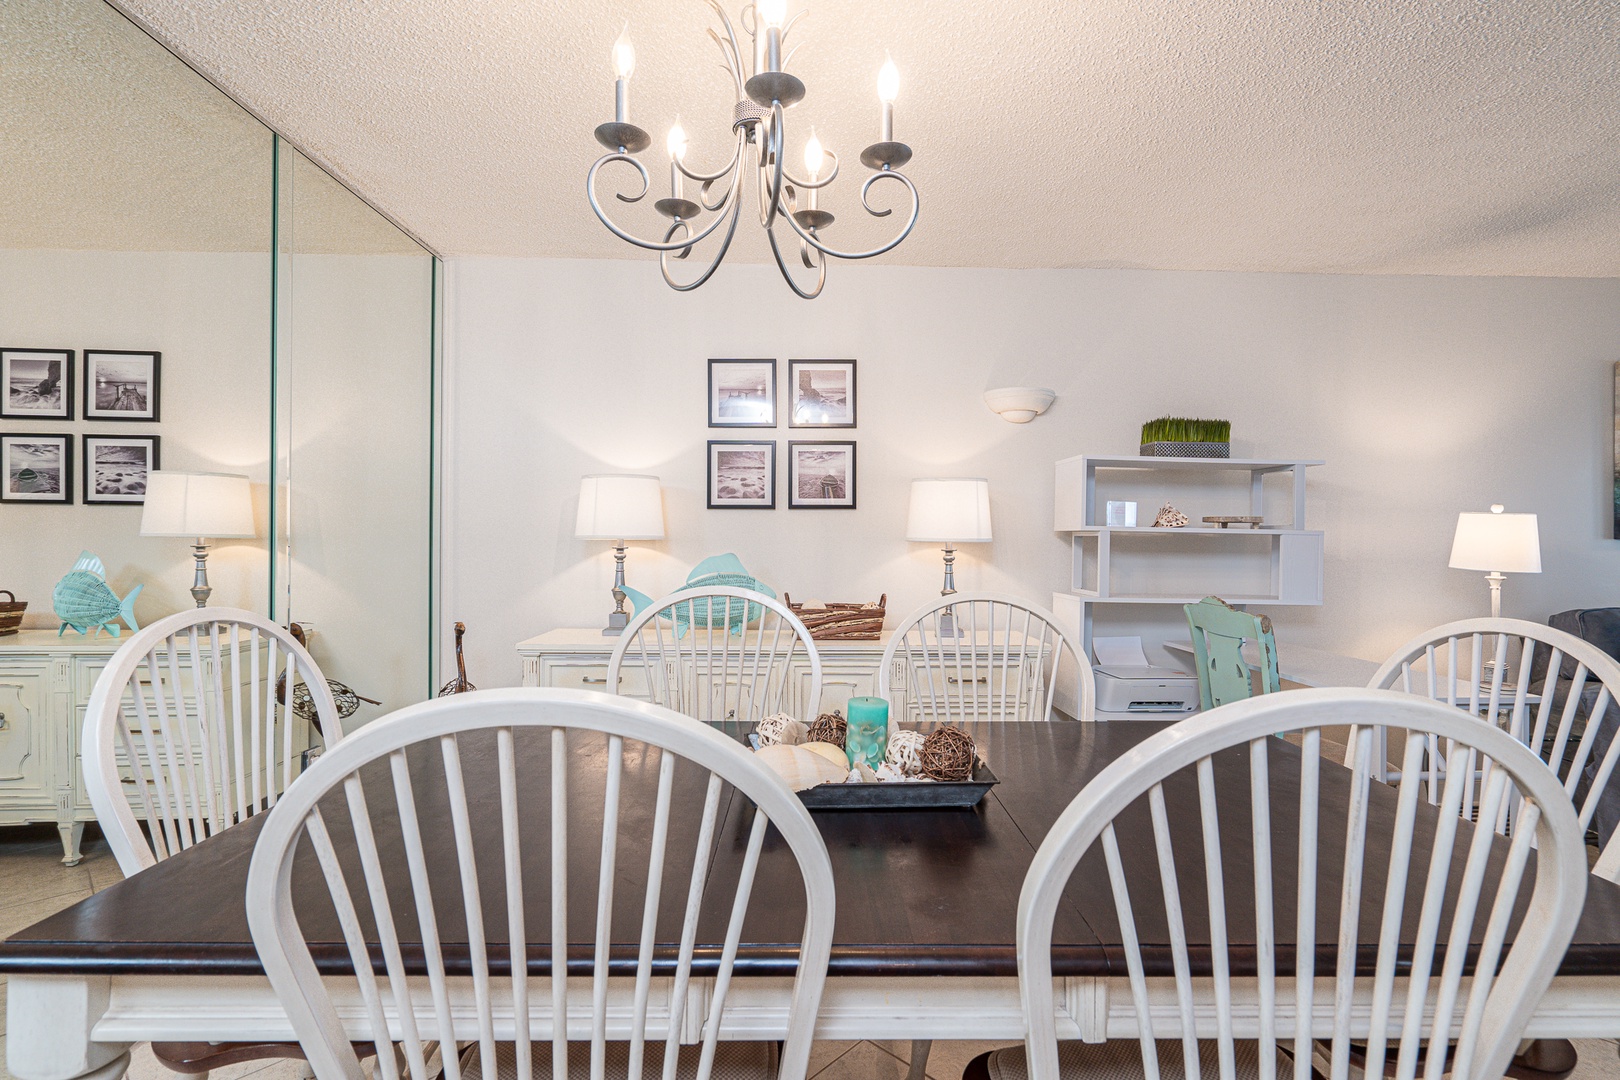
<point x="1279" y="563"/>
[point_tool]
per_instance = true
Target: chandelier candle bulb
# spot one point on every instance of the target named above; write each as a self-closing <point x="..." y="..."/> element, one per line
<point x="772" y="13"/>
<point x="624" y="65"/>
<point x="814" y="155"/>
<point x="888" y="90"/>
<point x="677" y="152"/>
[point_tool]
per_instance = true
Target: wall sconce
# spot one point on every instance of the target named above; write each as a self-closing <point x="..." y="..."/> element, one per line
<point x="1019" y="404"/>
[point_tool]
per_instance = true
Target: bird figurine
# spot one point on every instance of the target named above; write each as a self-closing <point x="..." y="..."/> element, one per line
<point x="84" y="600"/>
<point x="303" y="702"/>
<point x="459" y="684"/>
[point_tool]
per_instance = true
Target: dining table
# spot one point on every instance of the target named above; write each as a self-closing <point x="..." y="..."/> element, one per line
<point x="924" y="941"/>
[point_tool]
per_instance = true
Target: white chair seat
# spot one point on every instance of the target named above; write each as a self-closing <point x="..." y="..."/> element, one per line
<point x="732" y="1061"/>
<point x="1121" y="1059"/>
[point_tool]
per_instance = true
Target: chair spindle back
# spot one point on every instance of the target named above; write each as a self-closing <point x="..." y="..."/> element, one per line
<point x="1435" y="875"/>
<point x="722" y="654"/>
<point x="982" y="656"/>
<point x="184" y="726"/>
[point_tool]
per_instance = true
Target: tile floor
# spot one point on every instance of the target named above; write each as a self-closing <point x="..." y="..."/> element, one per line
<point x="35" y="884"/>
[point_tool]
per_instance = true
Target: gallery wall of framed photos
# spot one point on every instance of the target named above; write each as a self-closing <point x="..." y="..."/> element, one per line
<point x="820" y="473"/>
<point x="44" y="390"/>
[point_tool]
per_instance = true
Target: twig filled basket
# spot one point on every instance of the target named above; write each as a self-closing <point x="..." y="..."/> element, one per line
<point x="841" y="622"/>
<point x="11" y="612"/>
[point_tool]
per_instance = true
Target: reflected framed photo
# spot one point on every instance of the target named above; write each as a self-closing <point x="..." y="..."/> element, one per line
<point x="742" y="475"/>
<point x="37" y="468"/>
<point x="121" y="385"/>
<point x="742" y="393"/>
<point x="821" y="475"/>
<point x="822" y="393"/>
<point x="37" y="384"/>
<point x="116" y="466"/>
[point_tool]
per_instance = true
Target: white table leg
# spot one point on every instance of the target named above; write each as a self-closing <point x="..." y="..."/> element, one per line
<point x="49" y="1021"/>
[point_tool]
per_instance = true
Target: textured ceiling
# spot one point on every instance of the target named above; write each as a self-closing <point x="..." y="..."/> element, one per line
<point x="1451" y="136"/>
<point x="111" y="143"/>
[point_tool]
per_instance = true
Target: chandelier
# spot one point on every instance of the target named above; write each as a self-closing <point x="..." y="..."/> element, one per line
<point x="761" y="140"/>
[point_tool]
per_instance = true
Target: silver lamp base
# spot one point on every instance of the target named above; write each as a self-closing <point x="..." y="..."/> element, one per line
<point x="200" y="589"/>
<point x="618" y="618"/>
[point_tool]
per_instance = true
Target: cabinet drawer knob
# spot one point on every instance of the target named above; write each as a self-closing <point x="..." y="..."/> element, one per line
<point x="954" y="681"/>
<point x="2" y="721"/>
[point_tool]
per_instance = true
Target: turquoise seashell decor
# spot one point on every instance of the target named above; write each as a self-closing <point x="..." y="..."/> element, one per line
<point x="717" y="570"/>
<point x="84" y="600"/>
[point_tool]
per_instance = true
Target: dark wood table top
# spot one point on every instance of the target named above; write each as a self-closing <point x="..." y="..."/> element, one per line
<point x="919" y="892"/>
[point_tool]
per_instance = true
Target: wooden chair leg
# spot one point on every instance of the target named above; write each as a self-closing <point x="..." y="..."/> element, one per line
<point x="919" y="1059"/>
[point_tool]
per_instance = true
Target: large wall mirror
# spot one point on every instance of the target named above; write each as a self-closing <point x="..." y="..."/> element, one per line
<point x="145" y="214"/>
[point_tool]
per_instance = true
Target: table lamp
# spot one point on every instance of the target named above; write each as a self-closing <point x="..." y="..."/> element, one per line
<point x="619" y="508"/>
<point x="1499" y="543"/>
<point x="949" y="511"/>
<point x="200" y="505"/>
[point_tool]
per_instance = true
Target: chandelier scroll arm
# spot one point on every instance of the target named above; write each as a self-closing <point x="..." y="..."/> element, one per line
<point x="911" y="220"/>
<point x="771" y="159"/>
<point x="718" y="174"/>
<point x="616" y="230"/>
<point x="820" y="267"/>
<point x="714" y="264"/>
<point x="734" y="56"/>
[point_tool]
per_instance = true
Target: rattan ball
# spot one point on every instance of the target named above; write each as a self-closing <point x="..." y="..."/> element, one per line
<point x="829" y="728"/>
<point x="779" y="728"/>
<point x="947" y="754"/>
<point x="905" y="751"/>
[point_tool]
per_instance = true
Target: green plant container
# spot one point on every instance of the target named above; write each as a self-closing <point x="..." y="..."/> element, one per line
<point x="1187" y="449"/>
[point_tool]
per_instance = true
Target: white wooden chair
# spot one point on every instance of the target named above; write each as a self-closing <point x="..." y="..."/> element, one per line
<point x="1003" y="662"/>
<point x="183" y="723"/>
<point x="1449" y="664"/>
<point x="454" y="878"/>
<point x="696" y="665"/>
<point x="1485" y="1015"/>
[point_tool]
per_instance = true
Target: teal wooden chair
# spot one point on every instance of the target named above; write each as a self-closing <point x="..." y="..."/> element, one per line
<point x="1218" y="633"/>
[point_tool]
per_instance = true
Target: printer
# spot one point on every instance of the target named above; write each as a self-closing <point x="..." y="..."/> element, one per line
<point x="1145" y="689"/>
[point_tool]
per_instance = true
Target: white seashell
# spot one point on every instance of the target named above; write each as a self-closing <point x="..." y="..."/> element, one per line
<point x="862" y="774"/>
<point x="800" y="768"/>
<point x="780" y="728"/>
<point x="905" y="751"/>
<point x="834" y="754"/>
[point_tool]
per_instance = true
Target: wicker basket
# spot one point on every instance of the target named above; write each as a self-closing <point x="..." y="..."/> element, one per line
<point x="11" y="612"/>
<point x="842" y="622"/>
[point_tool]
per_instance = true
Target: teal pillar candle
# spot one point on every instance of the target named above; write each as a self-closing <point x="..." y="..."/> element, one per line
<point x="867" y="737"/>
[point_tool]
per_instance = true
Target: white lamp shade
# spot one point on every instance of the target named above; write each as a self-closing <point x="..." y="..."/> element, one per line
<point x="218" y="505"/>
<point x="620" y="508"/>
<point x="951" y="511"/>
<point x="1506" y="543"/>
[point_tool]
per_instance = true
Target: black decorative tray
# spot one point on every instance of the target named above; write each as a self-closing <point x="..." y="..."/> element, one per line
<point x="897" y="794"/>
<point x="902" y="795"/>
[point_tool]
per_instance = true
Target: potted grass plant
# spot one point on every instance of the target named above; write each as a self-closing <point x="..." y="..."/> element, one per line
<point x="1176" y="436"/>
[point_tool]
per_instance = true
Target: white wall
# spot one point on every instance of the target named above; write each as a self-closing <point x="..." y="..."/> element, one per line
<point x="1426" y="396"/>
<point x="208" y="314"/>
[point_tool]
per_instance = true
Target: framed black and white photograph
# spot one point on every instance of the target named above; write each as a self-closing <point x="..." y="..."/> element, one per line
<point x="121" y="385"/>
<point x="38" y="384"/>
<point x="38" y="468"/>
<point x="821" y="475"/>
<point x="116" y="466"/>
<point x="742" y="475"/>
<point x="742" y="393"/>
<point x="822" y="393"/>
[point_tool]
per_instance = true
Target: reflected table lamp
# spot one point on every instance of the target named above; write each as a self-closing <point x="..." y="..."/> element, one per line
<point x="1498" y="543"/>
<point x="949" y="511"/>
<point x="202" y="506"/>
<point x="619" y="508"/>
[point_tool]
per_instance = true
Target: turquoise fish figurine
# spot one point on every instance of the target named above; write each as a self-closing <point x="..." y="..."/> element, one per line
<point x="84" y="600"/>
